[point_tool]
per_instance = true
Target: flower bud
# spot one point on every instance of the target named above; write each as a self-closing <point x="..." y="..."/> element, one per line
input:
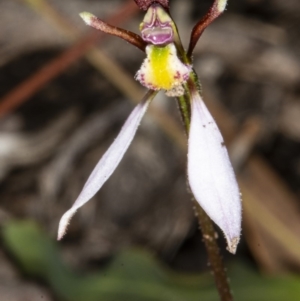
<point x="144" y="4"/>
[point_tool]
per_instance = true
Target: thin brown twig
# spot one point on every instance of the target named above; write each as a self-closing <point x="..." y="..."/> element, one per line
<point x="38" y="80"/>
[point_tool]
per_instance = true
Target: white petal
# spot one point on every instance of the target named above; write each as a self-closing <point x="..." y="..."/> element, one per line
<point x="211" y="175"/>
<point x="109" y="162"/>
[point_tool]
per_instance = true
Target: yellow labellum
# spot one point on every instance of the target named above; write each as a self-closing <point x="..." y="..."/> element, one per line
<point x="162" y="69"/>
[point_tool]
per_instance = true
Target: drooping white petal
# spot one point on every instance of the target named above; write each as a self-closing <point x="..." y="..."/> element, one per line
<point x="108" y="163"/>
<point x="211" y="175"/>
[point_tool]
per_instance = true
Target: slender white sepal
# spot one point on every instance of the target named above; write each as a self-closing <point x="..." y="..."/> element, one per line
<point x="211" y="175"/>
<point x="109" y="162"/>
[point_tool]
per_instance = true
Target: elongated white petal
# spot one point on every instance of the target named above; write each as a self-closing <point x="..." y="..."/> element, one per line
<point x="108" y="163"/>
<point x="211" y="175"/>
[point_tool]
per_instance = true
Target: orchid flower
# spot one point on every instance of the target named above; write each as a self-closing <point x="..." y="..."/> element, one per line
<point x="168" y="67"/>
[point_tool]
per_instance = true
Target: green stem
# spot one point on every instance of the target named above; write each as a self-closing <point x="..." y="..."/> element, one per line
<point x="208" y="232"/>
<point x="185" y="109"/>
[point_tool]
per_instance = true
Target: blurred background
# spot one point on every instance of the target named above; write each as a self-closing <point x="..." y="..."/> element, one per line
<point x="65" y="92"/>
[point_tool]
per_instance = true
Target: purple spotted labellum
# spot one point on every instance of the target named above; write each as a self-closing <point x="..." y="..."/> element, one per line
<point x="168" y="67"/>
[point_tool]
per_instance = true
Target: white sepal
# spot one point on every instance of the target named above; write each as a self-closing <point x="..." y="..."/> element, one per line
<point x="211" y="175"/>
<point x="109" y="162"/>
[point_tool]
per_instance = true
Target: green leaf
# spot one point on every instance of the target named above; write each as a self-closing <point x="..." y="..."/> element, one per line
<point x="133" y="275"/>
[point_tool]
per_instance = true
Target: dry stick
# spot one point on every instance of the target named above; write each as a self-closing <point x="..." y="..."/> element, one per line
<point x="37" y="81"/>
<point x="244" y="142"/>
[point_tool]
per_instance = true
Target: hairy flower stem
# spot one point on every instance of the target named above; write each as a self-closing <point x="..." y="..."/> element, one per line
<point x="185" y="109"/>
<point x="208" y="232"/>
<point x="212" y="248"/>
